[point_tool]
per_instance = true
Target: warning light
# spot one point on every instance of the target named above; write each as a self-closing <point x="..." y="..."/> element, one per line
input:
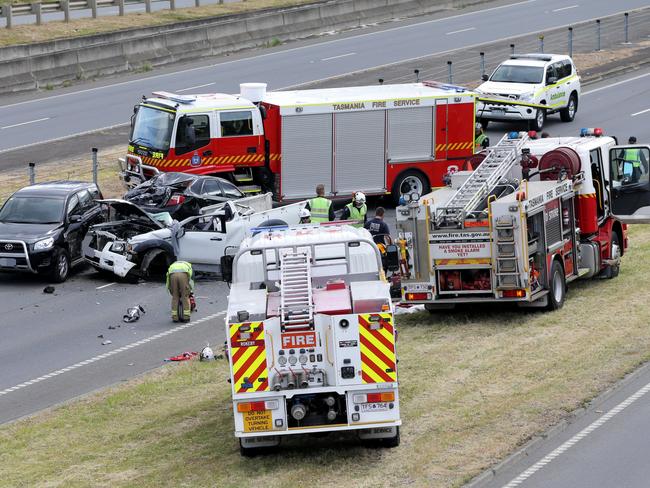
<point x="591" y="131"/>
<point x="514" y="293"/>
<point x="418" y="296"/>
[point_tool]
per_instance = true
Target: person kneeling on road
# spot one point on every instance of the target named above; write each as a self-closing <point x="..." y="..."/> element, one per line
<point x="180" y="283"/>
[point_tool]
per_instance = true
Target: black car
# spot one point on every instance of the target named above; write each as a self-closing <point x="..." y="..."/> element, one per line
<point x="42" y="227"/>
<point x="181" y="194"/>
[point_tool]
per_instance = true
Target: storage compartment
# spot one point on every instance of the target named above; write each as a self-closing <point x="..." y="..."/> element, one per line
<point x="464" y="281"/>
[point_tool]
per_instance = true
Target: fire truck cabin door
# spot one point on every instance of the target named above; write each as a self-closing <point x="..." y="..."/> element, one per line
<point x="239" y="139"/>
<point x="629" y="170"/>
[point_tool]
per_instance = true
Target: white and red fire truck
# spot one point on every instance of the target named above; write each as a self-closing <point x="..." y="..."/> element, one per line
<point x="376" y="139"/>
<point x="311" y="338"/>
<point x="511" y="232"/>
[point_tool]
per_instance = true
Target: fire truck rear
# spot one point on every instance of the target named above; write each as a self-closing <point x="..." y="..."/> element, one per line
<point x="311" y="338"/>
<point x="511" y="232"/>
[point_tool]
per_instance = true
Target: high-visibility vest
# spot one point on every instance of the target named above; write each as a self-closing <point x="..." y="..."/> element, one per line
<point x="357" y="214"/>
<point x="478" y="142"/>
<point x="180" y="267"/>
<point x="633" y="156"/>
<point x="320" y="209"/>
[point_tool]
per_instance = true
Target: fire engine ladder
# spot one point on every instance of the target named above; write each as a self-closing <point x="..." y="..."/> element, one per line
<point x="296" y="307"/>
<point x="477" y="187"/>
<point x="507" y="267"/>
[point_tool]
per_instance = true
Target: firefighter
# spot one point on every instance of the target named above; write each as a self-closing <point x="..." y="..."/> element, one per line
<point x="481" y="141"/>
<point x="356" y="210"/>
<point x="633" y="157"/>
<point x="377" y="227"/>
<point x="320" y="207"/>
<point x="305" y="216"/>
<point x="180" y="283"/>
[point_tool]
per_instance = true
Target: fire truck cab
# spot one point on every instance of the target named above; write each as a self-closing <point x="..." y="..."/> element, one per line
<point x="521" y="232"/>
<point x="382" y="139"/>
<point x="311" y="337"/>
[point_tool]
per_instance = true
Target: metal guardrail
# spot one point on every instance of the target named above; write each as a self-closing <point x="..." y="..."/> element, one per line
<point x="38" y="9"/>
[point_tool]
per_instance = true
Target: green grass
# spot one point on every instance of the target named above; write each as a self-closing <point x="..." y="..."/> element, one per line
<point x="474" y="385"/>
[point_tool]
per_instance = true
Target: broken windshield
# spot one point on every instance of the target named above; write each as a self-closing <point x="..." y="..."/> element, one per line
<point x="153" y="128"/>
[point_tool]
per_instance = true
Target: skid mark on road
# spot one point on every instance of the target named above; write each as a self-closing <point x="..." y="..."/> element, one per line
<point x="109" y="354"/>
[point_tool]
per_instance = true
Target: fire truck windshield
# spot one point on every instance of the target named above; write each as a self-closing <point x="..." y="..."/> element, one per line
<point x="153" y="128"/>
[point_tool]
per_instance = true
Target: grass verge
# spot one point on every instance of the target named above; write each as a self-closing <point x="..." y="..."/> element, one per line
<point x="24" y="34"/>
<point x="474" y="384"/>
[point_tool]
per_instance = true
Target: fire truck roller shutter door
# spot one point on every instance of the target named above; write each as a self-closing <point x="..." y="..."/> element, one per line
<point x="360" y="154"/>
<point x="306" y="154"/>
<point x="410" y="133"/>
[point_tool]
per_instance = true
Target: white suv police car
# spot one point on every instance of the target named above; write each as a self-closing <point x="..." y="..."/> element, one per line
<point x="540" y="79"/>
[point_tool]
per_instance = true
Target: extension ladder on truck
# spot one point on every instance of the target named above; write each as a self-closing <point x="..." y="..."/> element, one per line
<point x="480" y="183"/>
<point x="296" y="307"/>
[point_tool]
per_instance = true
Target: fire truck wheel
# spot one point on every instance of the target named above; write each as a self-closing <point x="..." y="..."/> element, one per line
<point x="410" y="181"/>
<point x="557" y="292"/>
<point x="612" y="270"/>
<point x="538" y="122"/>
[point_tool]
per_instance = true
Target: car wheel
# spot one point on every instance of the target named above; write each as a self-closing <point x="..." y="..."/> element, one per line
<point x="60" y="265"/>
<point x="568" y="114"/>
<point x="407" y="182"/>
<point x="557" y="291"/>
<point x="538" y="122"/>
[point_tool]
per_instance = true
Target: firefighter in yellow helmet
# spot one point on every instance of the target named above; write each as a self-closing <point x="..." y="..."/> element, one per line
<point x="180" y="283"/>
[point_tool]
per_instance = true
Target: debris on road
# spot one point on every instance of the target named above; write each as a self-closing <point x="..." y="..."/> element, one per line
<point x="183" y="357"/>
<point x="107" y="342"/>
<point x="100" y="336"/>
<point x="133" y="314"/>
<point x="49" y="289"/>
<point x="207" y="354"/>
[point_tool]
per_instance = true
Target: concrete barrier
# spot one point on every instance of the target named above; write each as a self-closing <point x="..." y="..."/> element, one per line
<point x="28" y="67"/>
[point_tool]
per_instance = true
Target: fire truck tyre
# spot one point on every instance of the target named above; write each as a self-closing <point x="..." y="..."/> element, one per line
<point x="409" y="181"/>
<point x="568" y="114"/>
<point x="612" y="270"/>
<point x="60" y="265"/>
<point x="538" y="122"/>
<point x="484" y="123"/>
<point x="557" y="293"/>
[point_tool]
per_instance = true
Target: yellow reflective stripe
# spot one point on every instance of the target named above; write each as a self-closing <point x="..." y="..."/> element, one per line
<point x="156" y="107"/>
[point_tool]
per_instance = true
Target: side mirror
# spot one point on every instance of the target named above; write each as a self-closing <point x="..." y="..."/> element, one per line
<point x="180" y="232"/>
<point x="551" y="80"/>
<point x="74" y="219"/>
<point x="226" y="268"/>
<point x="485" y="77"/>
<point x="135" y="109"/>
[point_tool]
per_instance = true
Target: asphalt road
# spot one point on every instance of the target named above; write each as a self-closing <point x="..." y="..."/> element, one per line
<point x="40" y="118"/>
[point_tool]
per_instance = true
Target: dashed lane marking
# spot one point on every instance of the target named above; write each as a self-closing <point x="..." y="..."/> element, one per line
<point x="113" y="352"/>
<point x="577" y="438"/>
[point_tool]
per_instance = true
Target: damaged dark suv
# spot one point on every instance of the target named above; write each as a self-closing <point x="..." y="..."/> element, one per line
<point x="42" y="227"/>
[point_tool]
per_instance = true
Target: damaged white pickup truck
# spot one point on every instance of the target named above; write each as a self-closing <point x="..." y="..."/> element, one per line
<point x="135" y="244"/>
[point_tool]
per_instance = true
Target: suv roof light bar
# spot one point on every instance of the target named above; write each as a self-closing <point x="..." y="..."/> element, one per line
<point x="541" y="57"/>
<point x="174" y="97"/>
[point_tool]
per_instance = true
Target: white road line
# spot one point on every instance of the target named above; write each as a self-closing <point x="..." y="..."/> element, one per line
<point x="105" y="286"/>
<point x="479" y="12"/>
<point x="564" y="8"/>
<point x="25" y="123"/>
<point x="339" y="56"/>
<point x="109" y="353"/>
<point x="578" y="437"/>
<point x="195" y="87"/>
<point x="459" y="31"/>
<point x="595" y="90"/>
<point x="641" y="112"/>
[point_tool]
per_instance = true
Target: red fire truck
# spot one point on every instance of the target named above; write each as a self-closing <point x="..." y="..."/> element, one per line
<point x="384" y="139"/>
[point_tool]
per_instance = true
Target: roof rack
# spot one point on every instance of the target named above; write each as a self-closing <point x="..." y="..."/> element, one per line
<point x="174" y="97"/>
<point x="541" y="57"/>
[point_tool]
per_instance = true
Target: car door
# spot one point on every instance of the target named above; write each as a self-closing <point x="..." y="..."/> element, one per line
<point x="193" y="138"/>
<point x="239" y="140"/>
<point x="629" y="173"/>
<point x="211" y="192"/>
<point x="553" y="92"/>
<point x="202" y="239"/>
<point x="74" y="233"/>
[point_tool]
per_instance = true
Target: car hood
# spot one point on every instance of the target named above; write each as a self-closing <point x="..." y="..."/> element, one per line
<point x="497" y="87"/>
<point x="128" y="210"/>
<point x="27" y="232"/>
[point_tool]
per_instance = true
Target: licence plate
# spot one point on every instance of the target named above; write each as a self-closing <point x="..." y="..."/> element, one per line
<point x="258" y="421"/>
<point x="7" y="262"/>
<point x="374" y="407"/>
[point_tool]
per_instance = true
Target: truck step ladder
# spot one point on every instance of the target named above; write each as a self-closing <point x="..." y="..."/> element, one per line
<point x="480" y="183"/>
<point x="507" y="267"/>
<point x="296" y="307"/>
